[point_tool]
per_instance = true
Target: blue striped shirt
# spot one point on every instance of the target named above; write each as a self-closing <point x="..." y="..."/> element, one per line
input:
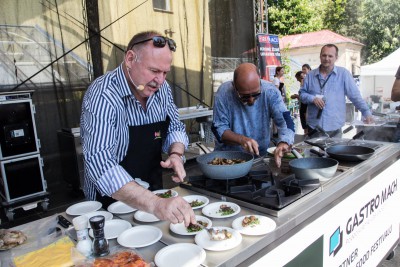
<point x="108" y="109"/>
<point x="252" y="121"/>
<point x="339" y="85"/>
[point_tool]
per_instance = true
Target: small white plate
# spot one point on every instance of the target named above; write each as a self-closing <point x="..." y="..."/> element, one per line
<point x="203" y="240"/>
<point x="271" y="150"/>
<point x="83" y="208"/>
<point x="142" y="183"/>
<point x="181" y="254"/>
<point x="192" y="198"/>
<point x="180" y="228"/>
<point x="266" y="225"/>
<point x="143" y="216"/>
<point x="139" y="236"/>
<point x="107" y="215"/>
<point x="120" y="208"/>
<point x="113" y="228"/>
<point x="212" y="210"/>
<point x="162" y="191"/>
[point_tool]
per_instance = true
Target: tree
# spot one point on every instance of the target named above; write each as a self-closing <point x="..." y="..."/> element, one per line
<point x="380" y="28"/>
<point x="293" y="16"/>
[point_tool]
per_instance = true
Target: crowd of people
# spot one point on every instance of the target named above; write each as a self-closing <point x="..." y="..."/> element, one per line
<point x="129" y="118"/>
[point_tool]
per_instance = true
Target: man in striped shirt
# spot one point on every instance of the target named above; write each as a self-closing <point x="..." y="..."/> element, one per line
<point x="128" y="118"/>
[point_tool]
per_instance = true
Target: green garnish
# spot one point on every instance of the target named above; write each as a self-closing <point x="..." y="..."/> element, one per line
<point x="225" y="210"/>
<point x="196" y="203"/>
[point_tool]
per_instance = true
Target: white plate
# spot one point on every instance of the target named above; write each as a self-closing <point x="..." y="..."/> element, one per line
<point x="142" y="183"/>
<point x="83" y="208"/>
<point x="181" y="254"/>
<point x="203" y="240"/>
<point x="162" y="191"/>
<point x="192" y="198"/>
<point x="266" y="225"/>
<point x="139" y="236"/>
<point x="145" y="216"/>
<point x="107" y="215"/>
<point x="212" y="210"/>
<point x="180" y="228"/>
<point x="113" y="228"/>
<point x="271" y="150"/>
<point x="120" y="208"/>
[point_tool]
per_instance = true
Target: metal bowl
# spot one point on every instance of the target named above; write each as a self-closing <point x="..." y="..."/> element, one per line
<point x="225" y="172"/>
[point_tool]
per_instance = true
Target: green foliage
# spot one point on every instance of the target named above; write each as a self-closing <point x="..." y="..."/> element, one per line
<point x="293" y="16"/>
<point x="380" y="28"/>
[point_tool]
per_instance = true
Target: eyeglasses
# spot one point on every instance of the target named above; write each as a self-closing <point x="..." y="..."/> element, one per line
<point x="246" y="97"/>
<point x="159" y="41"/>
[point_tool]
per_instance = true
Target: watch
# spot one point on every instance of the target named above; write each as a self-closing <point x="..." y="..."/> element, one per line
<point x="182" y="156"/>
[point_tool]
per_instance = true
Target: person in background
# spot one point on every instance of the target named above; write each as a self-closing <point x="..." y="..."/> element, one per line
<point x="305" y="69"/>
<point x="396" y="97"/>
<point x="128" y="118"/>
<point x="325" y="90"/>
<point x="243" y="110"/>
<point x="303" y="107"/>
<point x="278" y="81"/>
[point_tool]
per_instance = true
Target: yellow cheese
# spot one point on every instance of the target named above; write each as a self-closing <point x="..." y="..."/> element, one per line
<point x="57" y="254"/>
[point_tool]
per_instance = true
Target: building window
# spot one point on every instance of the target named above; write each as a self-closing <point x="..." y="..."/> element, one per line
<point x="164" y="5"/>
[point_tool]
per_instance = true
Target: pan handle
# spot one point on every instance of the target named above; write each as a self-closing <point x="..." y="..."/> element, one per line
<point x="314" y="144"/>
<point x="358" y="135"/>
<point x="296" y="154"/>
<point x="348" y="129"/>
<point x="317" y="153"/>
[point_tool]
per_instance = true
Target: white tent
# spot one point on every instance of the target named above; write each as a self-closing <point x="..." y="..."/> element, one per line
<point x="378" y="78"/>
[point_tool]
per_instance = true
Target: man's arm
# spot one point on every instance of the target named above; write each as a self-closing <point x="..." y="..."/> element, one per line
<point x="396" y="87"/>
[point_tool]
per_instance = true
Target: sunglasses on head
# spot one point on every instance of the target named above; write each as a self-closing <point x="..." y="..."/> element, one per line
<point x="159" y="41"/>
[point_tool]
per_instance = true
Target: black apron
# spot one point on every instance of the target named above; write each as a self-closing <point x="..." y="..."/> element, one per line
<point x="143" y="157"/>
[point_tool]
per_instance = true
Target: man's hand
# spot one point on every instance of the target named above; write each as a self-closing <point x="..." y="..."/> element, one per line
<point x="175" y="210"/>
<point x="249" y="145"/>
<point x="280" y="150"/>
<point x="319" y="102"/>
<point x="369" y="120"/>
<point x="175" y="162"/>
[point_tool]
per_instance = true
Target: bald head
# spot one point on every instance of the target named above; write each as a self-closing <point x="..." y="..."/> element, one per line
<point x="246" y="78"/>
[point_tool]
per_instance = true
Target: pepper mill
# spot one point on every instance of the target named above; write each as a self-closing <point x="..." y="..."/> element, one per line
<point x="100" y="244"/>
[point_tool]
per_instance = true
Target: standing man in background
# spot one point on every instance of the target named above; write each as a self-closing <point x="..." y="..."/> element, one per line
<point x="325" y="90"/>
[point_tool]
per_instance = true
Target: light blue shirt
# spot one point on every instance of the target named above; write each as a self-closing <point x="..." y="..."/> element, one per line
<point x="339" y="86"/>
<point x="108" y="109"/>
<point x="251" y="121"/>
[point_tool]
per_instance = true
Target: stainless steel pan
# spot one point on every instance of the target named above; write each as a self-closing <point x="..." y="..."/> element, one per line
<point x="313" y="168"/>
<point x="225" y="172"/>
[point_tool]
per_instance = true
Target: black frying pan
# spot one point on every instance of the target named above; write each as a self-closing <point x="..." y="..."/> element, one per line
<point x="347" y="152"/>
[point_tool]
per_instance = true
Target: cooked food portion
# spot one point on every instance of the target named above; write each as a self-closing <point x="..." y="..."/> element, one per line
<point x="219" y="234"/>
<point x="204" y="224"/>
<point x="196" y="203"/>
<point x="194" y="227"/>
<point x="11" y="238"/>
<point x="166" y="194"/>
<point x="250" y="221"/>
<point x="124" y="258"/>
<point x="225" y="210"/>
<point x="224" y="161"/>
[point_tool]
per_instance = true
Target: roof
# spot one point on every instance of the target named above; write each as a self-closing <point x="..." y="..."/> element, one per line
<point x="314" y="39"/>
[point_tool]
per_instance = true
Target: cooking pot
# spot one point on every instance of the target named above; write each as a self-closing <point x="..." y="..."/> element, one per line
<point x="225" y="172"/>
<point x="313" y="168"/>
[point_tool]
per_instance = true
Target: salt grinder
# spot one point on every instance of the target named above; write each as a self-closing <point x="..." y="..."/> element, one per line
<point x="100" y="244"/>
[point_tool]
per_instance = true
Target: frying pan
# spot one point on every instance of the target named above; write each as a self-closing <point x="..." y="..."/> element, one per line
<point x="313" y="168"/>
<point x="347" y="152"/>
<point x="225" y="172"/>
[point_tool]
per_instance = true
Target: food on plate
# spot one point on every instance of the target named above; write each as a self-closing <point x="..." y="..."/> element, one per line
<point x="224" y="161"/>
<point x="123" y="259"/>
<point x="166" y="194"/>
<point x="194" y="228"/>
<point x="204" y="224"/>
<point x="219" y="234"/>
<point x="250" y="221"/>
<point x="196" y="203"/>
<point x="11" y="238"/>
<point x="225" y="210"/>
